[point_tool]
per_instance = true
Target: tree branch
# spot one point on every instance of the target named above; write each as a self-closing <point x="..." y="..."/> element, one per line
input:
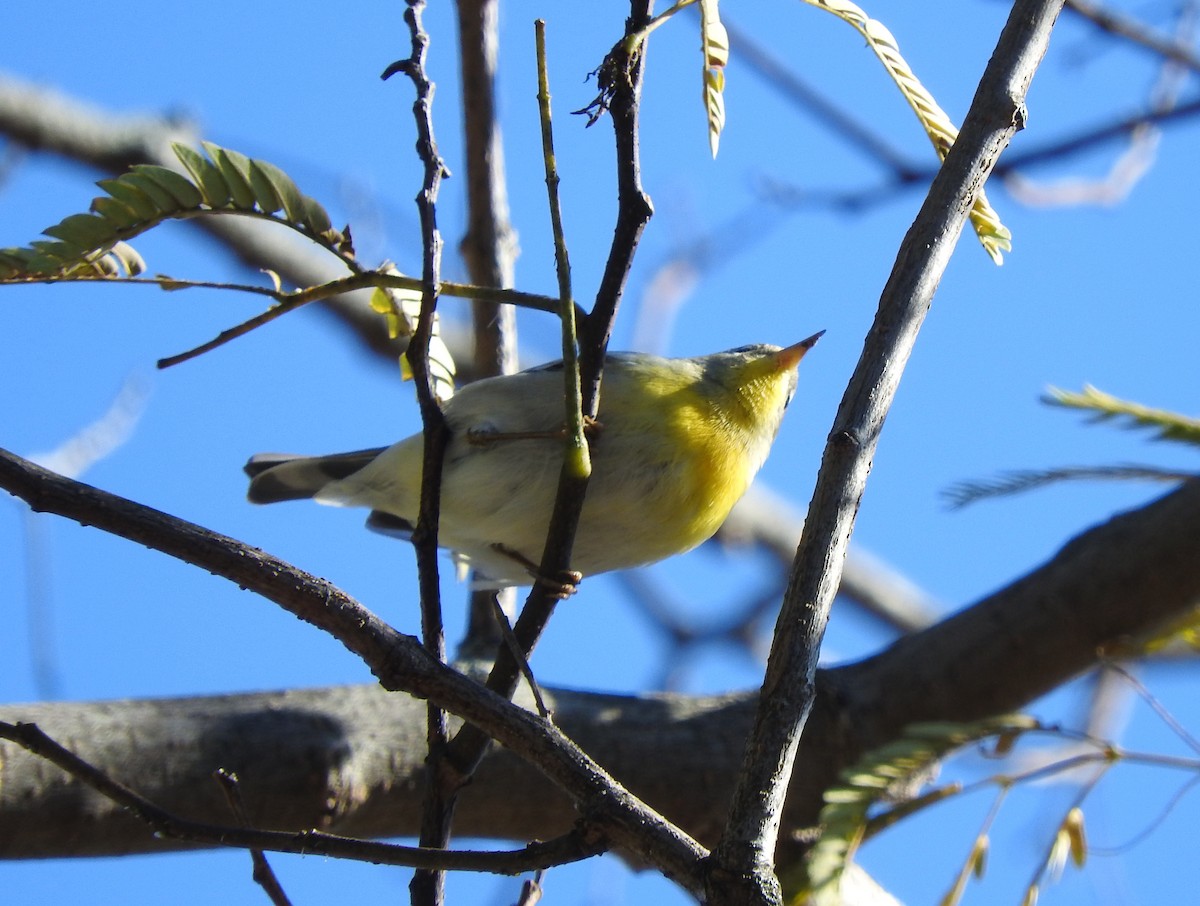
<point x="489" y="250"/>
<point x="428" y="887"/>
<point x="348" y="760"/>
<point x="45" y="120"/>
<point x="399" y="661"/>
<point x="570" y="847"/>
<point x="743" y="864"/>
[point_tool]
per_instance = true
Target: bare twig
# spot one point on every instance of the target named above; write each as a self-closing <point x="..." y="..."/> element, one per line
<point x="290" y="301"/>
<point x="743" y="863"/>
<point x="469" y="745"/>
<point x="577" y="462"/>
<point x="514" y="648"/>
<point x="263" y="874"/>
<point x="428" y="887"/>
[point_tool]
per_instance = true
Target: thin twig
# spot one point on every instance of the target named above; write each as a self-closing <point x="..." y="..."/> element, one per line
<point x="289" y="302"/>
<point x="1155" y="705"/>
<point x="427" y="887"/>
<point x="469" y="745"/>
<point x="577" y="465"/>
<point x="514" y="648"/>
<point x="263" y="874"/>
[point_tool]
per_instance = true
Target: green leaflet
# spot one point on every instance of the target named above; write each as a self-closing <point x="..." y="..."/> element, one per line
<point x="1168" y="425"/>
<point x="873" y="780"/>
<point x="91" y="245"/>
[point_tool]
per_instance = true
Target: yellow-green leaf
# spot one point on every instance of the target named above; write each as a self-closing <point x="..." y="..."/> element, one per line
<point x="317" y="219"/>
<point x="715" y="41"/>
<point x="1076" y="837"/>
<point x="285" y="190"/>
<point x="87" y="231"/>
<point x="992" y="234"/>
<point x="178" y="186"/>
<point x="164" y="202"/>
<point x="119" y="214"/>
<point x="132" y="197"/>
<point x="1170" y="425"/>
<point x="265" y="196"/>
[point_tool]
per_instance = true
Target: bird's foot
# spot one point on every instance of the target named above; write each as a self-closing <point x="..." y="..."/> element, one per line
<point x="560" y="586"/>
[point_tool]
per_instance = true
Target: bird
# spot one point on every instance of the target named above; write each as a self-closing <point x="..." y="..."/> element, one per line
<point x="675" y="445"/>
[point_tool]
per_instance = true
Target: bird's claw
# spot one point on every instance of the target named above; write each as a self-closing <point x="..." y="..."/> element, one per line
<point x="560" y="586"/>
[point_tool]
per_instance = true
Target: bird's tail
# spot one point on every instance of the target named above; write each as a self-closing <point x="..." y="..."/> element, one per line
<point x="275" y="477"/>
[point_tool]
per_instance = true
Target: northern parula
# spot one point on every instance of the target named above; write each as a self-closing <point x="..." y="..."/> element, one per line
<point x="676" y="444"/>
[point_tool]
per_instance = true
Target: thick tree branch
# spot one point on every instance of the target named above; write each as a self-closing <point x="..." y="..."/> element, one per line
<point x="348" y="760"/>
<point x="344" y="760"/>
<point x="1099" y="595"/>
<point x="1103" y="591"/>
<point x="570" y="847"/>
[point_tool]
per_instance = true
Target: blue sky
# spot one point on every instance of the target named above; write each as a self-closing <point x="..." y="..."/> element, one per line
<point x="1098" y="294"/>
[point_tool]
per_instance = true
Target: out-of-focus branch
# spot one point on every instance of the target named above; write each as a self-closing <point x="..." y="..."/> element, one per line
<point x="1177" y="50"/>
<point x="1139" y="156"/>
<point x="489" y="246"/>
<point x="489" y="249"/>
<point x="763" y="517"/>
<point x="776" y="74"/>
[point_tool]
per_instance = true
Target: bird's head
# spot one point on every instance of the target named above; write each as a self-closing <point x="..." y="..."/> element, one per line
<point x="757" y="382"/>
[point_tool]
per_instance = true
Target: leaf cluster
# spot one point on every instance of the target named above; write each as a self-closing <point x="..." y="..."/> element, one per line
<point x="93" y="244"/>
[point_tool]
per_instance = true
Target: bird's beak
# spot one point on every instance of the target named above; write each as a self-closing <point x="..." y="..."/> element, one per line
<point x="791" y="356"/>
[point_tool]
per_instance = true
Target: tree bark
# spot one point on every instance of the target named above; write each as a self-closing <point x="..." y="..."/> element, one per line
<point x="349" y="759"/>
